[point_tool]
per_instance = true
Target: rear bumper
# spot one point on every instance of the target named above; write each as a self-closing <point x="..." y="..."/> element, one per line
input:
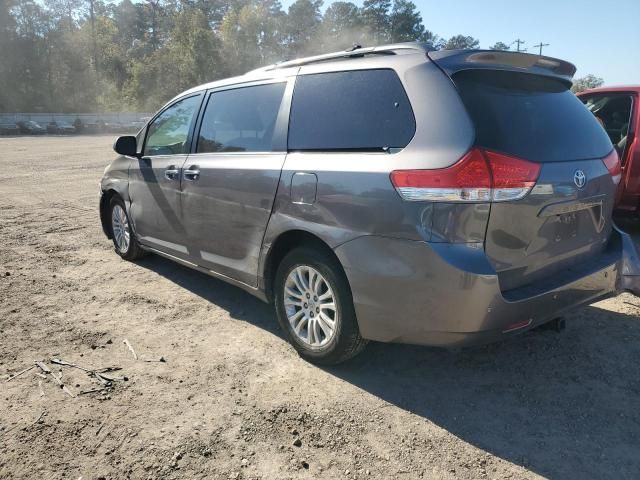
<point x="449" y="295"/>
<point x="630" y="264"/>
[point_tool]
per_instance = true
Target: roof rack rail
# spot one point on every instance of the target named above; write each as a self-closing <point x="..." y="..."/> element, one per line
<point x="352" y="52"/>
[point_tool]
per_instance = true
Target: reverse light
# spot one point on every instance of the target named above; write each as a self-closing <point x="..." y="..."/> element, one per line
<point x="612" y="162"/>
<point x="480" y="176"/>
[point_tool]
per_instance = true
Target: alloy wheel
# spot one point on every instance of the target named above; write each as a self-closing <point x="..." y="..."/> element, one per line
<point x="120" y="228"/>
<point x="310" y="306"/>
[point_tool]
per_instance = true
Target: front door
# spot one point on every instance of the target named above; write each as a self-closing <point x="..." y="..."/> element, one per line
<point x="154" y="180"/>
<point x="230" y="181"/>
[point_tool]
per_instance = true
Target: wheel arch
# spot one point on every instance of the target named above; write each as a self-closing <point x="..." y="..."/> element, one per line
<point x="105" y="200"/>
<point x="283" y="244"/>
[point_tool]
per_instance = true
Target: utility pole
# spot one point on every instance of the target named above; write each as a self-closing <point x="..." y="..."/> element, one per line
<point x="518" y="42"/>
<point x="540" y="45"/>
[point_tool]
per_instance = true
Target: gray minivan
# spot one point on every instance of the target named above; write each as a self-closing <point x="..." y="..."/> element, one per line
<point x="386" y="193"/>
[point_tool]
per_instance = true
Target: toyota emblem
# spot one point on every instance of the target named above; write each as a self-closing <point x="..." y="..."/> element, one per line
<point x="579" y="178"/>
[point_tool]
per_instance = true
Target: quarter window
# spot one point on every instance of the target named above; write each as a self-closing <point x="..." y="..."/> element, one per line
<point x="169" y="132"/>
<point x="355" y="110"/>
<point x="241" y="120"/>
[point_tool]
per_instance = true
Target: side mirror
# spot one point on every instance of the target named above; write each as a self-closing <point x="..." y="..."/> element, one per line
<point x="126" y="145"/>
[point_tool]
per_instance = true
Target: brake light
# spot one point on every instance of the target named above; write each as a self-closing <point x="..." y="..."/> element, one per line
<point x="612" y="162"/>
<point x="480" y="176"/>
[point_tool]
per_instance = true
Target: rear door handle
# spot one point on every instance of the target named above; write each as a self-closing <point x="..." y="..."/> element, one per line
<point x="171" y="173"/>
<point x="192" y="173"/>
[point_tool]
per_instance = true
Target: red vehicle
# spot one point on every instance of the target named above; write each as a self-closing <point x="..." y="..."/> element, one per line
<point x="618" y="110"/>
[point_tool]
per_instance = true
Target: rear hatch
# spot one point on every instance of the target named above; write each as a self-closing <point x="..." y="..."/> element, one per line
<point x="522" y="107"/>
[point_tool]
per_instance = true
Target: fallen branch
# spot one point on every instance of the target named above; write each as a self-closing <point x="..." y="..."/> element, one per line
<point x="98" y="373"/>
<point x="64" y="388"/>
<point x="100" y="427"/>
<point x="56" y="379"/>
<point x="20" y="373"/>
<point x="43" y="367"/>
<point x="104" y="380"/>
<point x="59" y="361"/>
<point x="84" y="392"/>
<point x="161" y="360"/>
<point x="126" y="342"/>
<point x="39" y="418"/>
<point x="17" y="425"/>
<point x="109" y="378"/>
<point x="107" y="369"/>
<point x="67" y="364"/>
<point x="6" y="432"/>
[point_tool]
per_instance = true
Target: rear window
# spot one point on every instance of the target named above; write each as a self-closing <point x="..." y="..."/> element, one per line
<point x="533" y="117"/>
<point x="613" y="111"/>
<point x="355" y="110"/>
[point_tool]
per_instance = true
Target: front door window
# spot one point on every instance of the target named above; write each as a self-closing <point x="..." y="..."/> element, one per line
<point x="168" y="133"/>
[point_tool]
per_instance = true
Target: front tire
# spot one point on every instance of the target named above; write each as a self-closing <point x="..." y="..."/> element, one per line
<point x="124" y="240"/>
<point x="314" y="307"/>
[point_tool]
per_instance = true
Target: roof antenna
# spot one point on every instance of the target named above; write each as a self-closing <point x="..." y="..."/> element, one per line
<point x="355" y="46"/>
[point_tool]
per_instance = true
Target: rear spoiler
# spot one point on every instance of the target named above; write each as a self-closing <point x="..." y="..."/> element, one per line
<point x="453" y="61"/>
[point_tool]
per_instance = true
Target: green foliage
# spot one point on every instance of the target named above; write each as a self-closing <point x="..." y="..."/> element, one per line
<point x="406" y="22"/>
<point x="193" y="52"/>
<point x="460" y="42"/>
<point x="252" y="35"/>
<point x="116" y="55"/>
<point x="586" y="82"/>
<point x="375" y="14"/>
<point x="342" y="27"/>
<point x="500" y="46"/>
<point x="303" y="21"/>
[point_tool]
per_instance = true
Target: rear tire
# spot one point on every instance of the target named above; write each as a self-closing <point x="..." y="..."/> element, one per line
<point x="314" y="307"/>
<point x="124" y="241"/>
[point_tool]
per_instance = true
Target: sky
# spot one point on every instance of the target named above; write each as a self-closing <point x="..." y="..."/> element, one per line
<point x="602" y="38"/>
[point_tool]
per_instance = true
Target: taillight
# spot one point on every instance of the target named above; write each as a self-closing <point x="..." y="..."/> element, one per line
<point x="612" y="162"/>
<point x="480" y="176"/>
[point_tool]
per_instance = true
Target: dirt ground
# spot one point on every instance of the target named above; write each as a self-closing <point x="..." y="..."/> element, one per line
<point x="234" y="401"/>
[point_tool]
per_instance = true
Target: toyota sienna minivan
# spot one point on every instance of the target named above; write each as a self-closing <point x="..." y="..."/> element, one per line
<point x="387" y="193"/>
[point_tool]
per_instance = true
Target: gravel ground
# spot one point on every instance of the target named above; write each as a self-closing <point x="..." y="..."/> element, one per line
<point x="233" y="400"/>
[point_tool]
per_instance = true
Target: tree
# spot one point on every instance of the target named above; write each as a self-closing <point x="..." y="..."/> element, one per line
<point x="66" y="13"/>
<point x="194" y="51"/>
<point x="460" y="42"/>
<point x="431" y="41"/>
<point x="375" y="15"/>
<point x="500" y="46"/>
<point x="115" y="55"/>
<point x="342" y="27"/>
<point x="251" y="37"/>
<point x="406" y="22"/>
<point x="586" y="82"/>
<point x="214" y="10"/>
<point x="303" y="21"/>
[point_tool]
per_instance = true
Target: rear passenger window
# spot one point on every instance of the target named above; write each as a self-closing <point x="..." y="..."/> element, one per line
<point x="241" y="120"/>
<point x="355" y="110"/>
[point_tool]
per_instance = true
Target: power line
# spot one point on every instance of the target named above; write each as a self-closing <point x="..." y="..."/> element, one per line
<point x="519" y="42"/>
<point x="540" y="45"/>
